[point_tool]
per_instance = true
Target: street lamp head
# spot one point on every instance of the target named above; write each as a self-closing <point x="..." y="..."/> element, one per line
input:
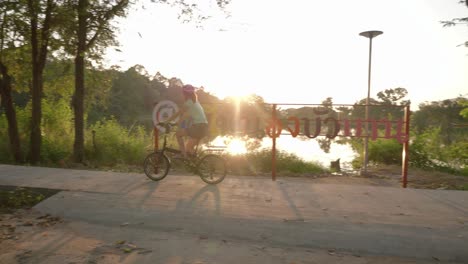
<point x="371" y="34"/>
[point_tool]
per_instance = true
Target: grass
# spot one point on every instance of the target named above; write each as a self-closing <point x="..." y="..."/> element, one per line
<point x="12" y="197"/>
<point x="260" y="162"/>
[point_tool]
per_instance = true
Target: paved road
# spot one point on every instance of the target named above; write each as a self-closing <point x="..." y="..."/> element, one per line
<point x="425" y="225"/>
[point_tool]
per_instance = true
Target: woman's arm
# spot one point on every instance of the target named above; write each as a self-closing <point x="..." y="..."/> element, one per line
<point x="180" y="113"/>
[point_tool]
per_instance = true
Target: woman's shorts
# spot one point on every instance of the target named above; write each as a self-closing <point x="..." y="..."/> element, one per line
<point x="198" y="131"/>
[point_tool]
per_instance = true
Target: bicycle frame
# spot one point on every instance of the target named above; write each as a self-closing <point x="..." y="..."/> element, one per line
<point x="210" y="167"/>
<point x="172" y="150"/>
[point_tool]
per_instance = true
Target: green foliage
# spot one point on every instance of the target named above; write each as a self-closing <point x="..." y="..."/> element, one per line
<point x="463" y="102"/>
<point x="5" y="153"/>
<point x="392" y="96"/>
<point x="441" y="114"/>
<point x="428" y="151"/>
<point x="113" y="144"/>
<point x="438" y="141"/>
<point x="23" y="119"/>
<point x="457" y="21"/>
<point x="19" y="198"/>
<point x="385" y="151"/>
<point x="391" y="101"/>
<point x="419" y="153"/>
<point x="129" y="100"/>
<point x="57" y="131"/>
<point x="58" y="78"/>
<point x="194" y="11"/>
<point x="97" y="17"/>
<point x="382" y="151"/>
<point x="22" y="197"/>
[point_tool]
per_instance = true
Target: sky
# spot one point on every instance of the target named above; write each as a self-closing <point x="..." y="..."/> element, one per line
<point x="303" y="51"/>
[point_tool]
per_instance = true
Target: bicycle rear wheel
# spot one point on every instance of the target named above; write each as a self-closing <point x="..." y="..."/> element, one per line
<point x="212" y="169"/>
<point x="156" y="166"/>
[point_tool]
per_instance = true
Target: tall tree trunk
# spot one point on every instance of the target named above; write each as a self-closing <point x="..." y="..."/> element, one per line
<point x="13" y="134"/>
<point x="78" y="98"/>
<point x="39" y="54"/>
<point x="36" y="90"/>
<point x="36" y="96"/>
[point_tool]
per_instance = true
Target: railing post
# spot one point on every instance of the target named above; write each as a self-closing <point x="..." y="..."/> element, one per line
<point x="273" y="146"/>
<point x="405" y="154"/>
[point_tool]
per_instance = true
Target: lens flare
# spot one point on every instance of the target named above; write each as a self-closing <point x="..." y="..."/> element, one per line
<point x="236" y="147"/>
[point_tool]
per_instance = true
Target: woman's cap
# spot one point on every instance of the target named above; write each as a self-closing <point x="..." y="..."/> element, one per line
<point x="188" y="88"/>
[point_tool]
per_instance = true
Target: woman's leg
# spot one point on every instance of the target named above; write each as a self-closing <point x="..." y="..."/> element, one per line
<point x="180" y="134"/>
<point x="191" y="143"/>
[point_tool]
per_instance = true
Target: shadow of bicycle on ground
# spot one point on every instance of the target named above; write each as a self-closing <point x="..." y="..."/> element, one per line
<point x="206" y="201"/>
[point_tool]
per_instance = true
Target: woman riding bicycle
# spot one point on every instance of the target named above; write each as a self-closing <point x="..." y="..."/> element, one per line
<point x="193" y="111"/>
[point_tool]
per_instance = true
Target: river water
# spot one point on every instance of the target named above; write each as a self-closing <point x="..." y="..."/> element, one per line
<point x="307" y="149"/>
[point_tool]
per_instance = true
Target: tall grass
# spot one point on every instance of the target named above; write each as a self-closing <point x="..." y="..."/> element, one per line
<point x="114" y="144"/>
<point x="111" y="144"/>
<point x="259" y="162"/>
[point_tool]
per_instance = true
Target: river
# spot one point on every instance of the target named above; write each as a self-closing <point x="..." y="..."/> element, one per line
<point x="307" y="149"/>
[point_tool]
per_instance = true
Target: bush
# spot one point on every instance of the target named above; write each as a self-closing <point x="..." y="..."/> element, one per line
<point x="113" y="144"/>
<point x="23" y="120"/>
<point x="259" y="161"/>
<point x="5" y="153"/>
<point x="427" y="151"/>
<point x="385" y="151"/>
<point x="57" y="131"/>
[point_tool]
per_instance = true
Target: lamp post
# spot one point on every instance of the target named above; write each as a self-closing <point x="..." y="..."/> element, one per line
<point x="370" y="35"/>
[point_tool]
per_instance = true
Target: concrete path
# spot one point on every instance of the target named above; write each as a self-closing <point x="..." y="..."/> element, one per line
<point x="422" y="225"/>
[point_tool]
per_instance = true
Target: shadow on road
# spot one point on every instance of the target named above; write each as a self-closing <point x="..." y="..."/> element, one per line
<point x="206" y="197"/>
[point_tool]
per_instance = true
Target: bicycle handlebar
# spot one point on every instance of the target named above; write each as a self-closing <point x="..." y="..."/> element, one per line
<point x="167" y="125"/>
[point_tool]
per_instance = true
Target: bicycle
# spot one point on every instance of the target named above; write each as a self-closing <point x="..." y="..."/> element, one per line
<point x="210" y="167"/>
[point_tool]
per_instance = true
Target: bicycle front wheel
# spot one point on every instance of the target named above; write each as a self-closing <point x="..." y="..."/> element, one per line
<point x="156" y="166"/>
<point x="212" y="169"/>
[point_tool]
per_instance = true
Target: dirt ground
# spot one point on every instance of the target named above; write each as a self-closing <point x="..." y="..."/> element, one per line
<point x="31" y="237"/>
<point x="391" y="175"/>
<point x="26" y="235"/>
<point x="420" y="179"/>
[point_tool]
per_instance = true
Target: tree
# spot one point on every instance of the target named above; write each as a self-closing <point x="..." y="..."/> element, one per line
<point x="194" y="11"/>
<point x="439" y="139"/>
<point x="132" y="96"/>
<point x="40" y="14"/>
<point x="443" y="114"/>
<point x="464" y="102"/>
<point x="7" y="36"/>
<point x="392" y="96"/>
<point x="387" y="106"/>
<point x="458" y="21"/>
<point x="86" y="32"/>
<point x="91" y="31"/>
<point x="30" y="28"/>
<point x="7" y="101"/>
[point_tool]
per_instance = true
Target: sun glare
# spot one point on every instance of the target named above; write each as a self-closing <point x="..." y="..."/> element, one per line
<point x="236" y="147"/>
<point x="238" y="98"/>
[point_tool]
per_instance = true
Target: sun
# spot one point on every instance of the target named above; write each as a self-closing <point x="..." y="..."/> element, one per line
<point x="232" y="145"/>
<point x="236" y="147"/>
